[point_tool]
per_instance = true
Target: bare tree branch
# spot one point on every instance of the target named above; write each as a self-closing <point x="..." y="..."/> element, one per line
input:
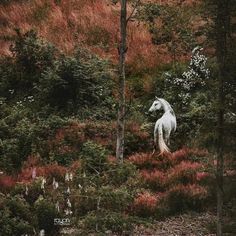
<point x="133" y="10"/>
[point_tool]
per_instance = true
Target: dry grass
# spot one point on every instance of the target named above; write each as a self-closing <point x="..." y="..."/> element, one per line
<point x="68" y="24"/>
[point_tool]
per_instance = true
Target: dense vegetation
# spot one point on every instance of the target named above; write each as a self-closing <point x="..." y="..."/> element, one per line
<point x="57" y="129"/>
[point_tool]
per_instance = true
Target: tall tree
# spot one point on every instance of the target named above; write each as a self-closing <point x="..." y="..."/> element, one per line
<point x="222" y="30"/>
<point x="124" y="19"/>
<point x="121" y="108"/>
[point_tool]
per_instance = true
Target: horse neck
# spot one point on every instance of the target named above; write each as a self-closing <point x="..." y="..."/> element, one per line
<point x="166" y="106"/>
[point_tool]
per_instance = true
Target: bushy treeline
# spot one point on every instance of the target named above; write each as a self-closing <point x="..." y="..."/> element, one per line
<point x="40" y="88"/>
<point x="38" y="73"/>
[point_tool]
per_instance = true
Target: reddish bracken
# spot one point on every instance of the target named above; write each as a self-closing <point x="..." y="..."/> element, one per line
<point x="32" y="160"/>
<point x="141" y="159"/>
<point x="194" y="191"/>
<point x="48" y="171"/>
<point x="111" y="159"/>
<point x="6" y="182"/>
<point x="184" y="172"/>
<point x="185" y="154"/>
<point x="145" y="202"/>
<point x="75" y="165"/>
<point x="202" y="176"/>
<point x="155" y="178"/>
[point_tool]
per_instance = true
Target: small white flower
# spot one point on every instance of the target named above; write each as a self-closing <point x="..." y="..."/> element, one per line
<point x="55" y="184"/>
<point x="57" y="206"/>
<point x="69" y="203"/>
<point x="68" y="190"/>
<point x="71" y="177"/>
<point x="67" y="177"/>
<point x="68" y="212"/>
<point x="43" y="183"/>
<point x="26" y="190"/>
<point x="34" y="173"/>
<point x="42" y="232"/>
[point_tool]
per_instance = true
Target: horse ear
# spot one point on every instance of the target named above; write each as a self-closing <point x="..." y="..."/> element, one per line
<point x="156" y="98"/>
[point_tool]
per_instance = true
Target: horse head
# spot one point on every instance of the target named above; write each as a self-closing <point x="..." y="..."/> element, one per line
<point x="156" y="105"/>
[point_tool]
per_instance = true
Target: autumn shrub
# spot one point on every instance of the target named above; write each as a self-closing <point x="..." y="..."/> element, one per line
<point x="183" y="173"/>
<point x="142" y="160"/>
<point x="6" y="183"/>
<point x="187" y="154"/>
<point x="104" y="221"/>
<point x="145" y="204"/>
<point x="49" y="171"/>
<point x="183" y="197"/>
<point x="149" y="161"/>
<point x="154" y="179"/>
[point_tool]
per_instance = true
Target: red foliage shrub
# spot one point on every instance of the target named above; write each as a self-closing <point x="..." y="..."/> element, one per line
<point x="142" y="160"/>
<point x="186" y="154"/>
<point x="201" y="176"/>
<point x="75" y="166"/>
<point x="48" y="171"/>
<point x="182" y="197"/>
<point x="6" y="182"/>
<point x="154" y="179"/>
<point x="145" y="204"/>
<point x="32" y="160"/>
<point x="184" y="173"/>
<point x="111" y="159"/>
<point x="148" y="161"/>
<point x="180" y="155"/>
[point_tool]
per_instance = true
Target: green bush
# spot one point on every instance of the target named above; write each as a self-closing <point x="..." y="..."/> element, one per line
<point x="116" y="200"/>
<point x="119" y="173"/>
<point x="16" y="217"/>
<point x="94" y="158"/>
<point x="46" y="213"/>
<point x="105" y="221"/>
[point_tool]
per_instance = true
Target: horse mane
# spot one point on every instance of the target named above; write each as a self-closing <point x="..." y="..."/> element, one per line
<point x="165" y="103"/>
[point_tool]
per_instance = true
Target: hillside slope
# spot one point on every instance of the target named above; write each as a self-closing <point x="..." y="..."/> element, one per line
<point x="67" y="24"/>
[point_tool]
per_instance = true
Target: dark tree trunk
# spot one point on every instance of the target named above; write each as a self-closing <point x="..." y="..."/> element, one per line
<point x="121" y="109"/>
<point x="222" y="27"/>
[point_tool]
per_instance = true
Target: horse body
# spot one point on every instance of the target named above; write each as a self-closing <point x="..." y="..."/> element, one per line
<point x="164" y="126"/>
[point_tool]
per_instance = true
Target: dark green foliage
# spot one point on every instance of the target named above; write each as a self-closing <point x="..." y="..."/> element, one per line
<point x="16" y="217"/>
<point x="119" y="173"/>
<point x="103" y="221"/>
<point x="46" y="213"/>
<point x="94" y="158"/>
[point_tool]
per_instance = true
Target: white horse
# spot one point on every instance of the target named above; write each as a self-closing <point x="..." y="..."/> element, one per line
<point x="164" y="125"/>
